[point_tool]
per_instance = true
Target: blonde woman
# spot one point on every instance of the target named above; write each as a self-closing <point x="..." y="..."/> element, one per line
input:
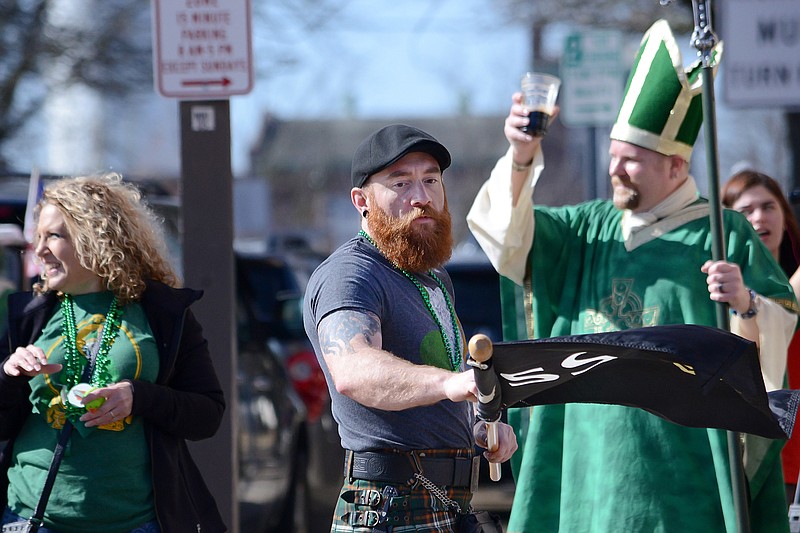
<point x="109" y="301"/>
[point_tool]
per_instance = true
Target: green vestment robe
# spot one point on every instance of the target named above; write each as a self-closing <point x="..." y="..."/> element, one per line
<point x="613" y="469"/>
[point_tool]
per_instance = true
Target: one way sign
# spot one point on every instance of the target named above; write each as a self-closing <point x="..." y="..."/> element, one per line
<point x="202" y="48"/>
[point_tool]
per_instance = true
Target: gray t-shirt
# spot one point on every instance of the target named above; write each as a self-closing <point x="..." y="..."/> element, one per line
<point x="358" y="277"/>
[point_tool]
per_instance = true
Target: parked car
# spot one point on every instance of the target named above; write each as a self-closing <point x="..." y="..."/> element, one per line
<point x="477" y="297"/>
<point x="290" y="459"/>
<point x="300" y="470"/>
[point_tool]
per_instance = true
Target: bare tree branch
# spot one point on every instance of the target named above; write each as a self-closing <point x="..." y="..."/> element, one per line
<point x="629" y="15"/>
<point x="41" y="52"/>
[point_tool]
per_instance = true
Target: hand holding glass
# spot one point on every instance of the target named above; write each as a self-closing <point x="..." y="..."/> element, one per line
<point x="540" y="92"/>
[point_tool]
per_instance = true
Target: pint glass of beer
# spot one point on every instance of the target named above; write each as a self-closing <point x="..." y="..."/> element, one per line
<point x="541" y="91"/>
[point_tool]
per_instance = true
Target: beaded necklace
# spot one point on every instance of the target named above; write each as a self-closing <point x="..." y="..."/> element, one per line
<point x="76" y="362"/>
<point x="454" y="358"/>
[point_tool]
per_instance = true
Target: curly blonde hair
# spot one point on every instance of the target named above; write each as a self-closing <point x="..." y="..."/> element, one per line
<point x="115" y="233"/>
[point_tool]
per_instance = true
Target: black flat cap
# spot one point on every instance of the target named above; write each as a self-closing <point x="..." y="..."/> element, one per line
<point x="385" y="146"/>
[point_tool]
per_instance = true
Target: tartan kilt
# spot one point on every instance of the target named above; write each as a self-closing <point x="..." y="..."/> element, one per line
<point x="414" y="510"/>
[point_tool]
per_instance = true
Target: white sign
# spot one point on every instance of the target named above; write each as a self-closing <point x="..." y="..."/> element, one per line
<point x="203" y="118"/>
<point x="591" y="76"/>
<point x="202" y="48"/>
<point x="761" y="59"/>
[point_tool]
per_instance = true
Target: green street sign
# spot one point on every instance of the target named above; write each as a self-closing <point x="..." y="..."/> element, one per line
<point x="592" y="77"/>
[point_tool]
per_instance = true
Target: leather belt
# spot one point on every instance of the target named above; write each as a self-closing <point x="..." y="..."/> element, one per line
<point x="400" y="468"/>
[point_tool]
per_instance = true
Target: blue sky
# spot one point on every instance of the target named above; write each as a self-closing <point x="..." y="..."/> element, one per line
<point x="386" y="59"/>
<point x="372" y="58"/>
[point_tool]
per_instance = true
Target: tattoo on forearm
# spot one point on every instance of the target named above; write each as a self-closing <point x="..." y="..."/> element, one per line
<point x="337" y="331"/>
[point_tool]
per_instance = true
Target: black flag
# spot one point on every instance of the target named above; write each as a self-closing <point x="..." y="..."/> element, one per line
<point x="695" y="376"/>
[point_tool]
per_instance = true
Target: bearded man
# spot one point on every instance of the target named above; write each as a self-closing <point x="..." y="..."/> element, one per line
<point x="380" y="314"/>
<point x="641" y="259"/>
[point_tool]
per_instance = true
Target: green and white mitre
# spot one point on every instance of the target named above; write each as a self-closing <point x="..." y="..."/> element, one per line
<point x="662" y="107"/>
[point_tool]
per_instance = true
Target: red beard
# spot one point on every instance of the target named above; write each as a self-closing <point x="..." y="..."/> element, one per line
<point x="414" y="248"/>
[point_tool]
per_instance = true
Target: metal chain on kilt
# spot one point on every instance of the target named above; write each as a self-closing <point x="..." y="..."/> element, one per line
<point x="439" y="493"/>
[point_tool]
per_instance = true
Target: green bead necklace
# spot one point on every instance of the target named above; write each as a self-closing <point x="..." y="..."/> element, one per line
<point x="75" y="361"/>
<point x="454" y="358"/>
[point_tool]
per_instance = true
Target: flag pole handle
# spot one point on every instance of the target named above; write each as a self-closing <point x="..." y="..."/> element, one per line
<point x="480" y="350"/>
<point x="704" y="40"/>
<point x="735" y="449"/>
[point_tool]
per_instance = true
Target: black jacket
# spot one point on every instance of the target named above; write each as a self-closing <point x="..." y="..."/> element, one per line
<point x="185" y="402"/>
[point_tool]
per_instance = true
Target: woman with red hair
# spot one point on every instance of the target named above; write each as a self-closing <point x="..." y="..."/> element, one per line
<point x="760" y="198"/>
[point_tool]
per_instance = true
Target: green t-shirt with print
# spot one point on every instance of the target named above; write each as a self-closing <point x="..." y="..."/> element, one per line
<point x="104" y="482"/>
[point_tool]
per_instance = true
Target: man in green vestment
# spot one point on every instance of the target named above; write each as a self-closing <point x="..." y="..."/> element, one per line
<point x="641" y="259"/>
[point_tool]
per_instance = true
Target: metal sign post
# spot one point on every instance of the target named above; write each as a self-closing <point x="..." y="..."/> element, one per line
<point x="202" y="55"/>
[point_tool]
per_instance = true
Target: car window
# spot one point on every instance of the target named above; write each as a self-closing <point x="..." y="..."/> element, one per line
<point x="477" y="299"/>
<point x="269" y="291"/>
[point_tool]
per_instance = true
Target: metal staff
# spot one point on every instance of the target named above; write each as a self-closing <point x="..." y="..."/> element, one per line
<point x="704" y="40"/>
<point x="480" y="359"/>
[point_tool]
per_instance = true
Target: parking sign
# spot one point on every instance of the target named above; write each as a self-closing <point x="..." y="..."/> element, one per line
<point x="202" y="48"/>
